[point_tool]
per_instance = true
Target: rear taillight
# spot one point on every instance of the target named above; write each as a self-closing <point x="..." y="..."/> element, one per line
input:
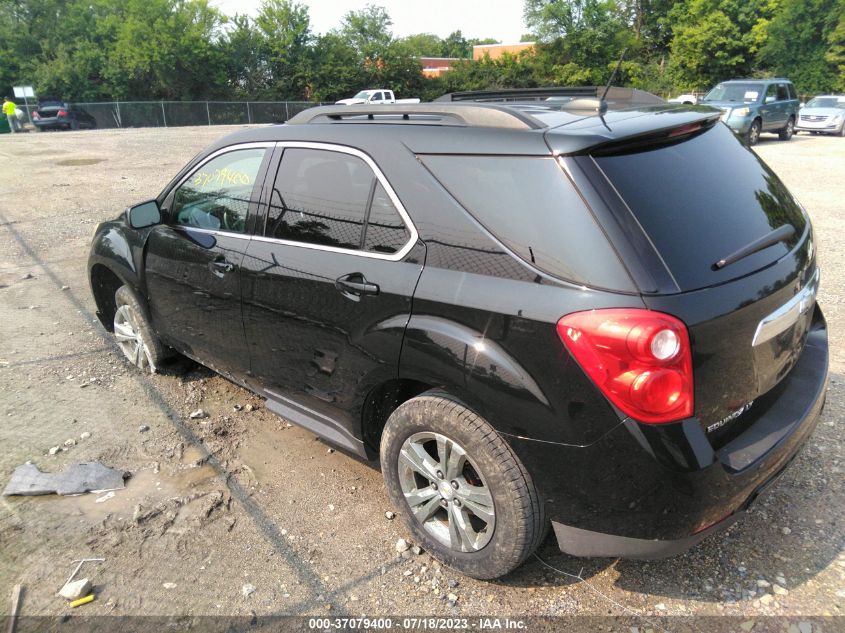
<point x="639" y="359"/>
<point x="62" y="113"/>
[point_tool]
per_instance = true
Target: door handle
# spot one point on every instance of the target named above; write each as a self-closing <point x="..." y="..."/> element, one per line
<point x="220" y="266"/>
<point x="355" y="285"/>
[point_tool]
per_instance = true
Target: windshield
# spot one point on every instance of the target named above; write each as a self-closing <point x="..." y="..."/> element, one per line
<point x="363" y="94"/>
<point x="743" y="93"/>
<point x="827" y="102"/>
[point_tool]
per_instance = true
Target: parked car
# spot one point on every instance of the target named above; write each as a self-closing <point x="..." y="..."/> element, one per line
<point x="530" y="315"/>
<point x="753" y="106"/>
<point x="824" y="114"/>
<point x="686" y="99"/>
<point x="61" y="115"/>
<point x="379" y="96"/>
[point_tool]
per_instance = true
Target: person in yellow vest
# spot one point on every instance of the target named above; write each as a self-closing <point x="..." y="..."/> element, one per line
<point x="9" y="111"/>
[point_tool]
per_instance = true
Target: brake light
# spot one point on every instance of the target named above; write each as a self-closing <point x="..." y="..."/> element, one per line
<point x="62" y="113"/>
<point x="639" y="359"/>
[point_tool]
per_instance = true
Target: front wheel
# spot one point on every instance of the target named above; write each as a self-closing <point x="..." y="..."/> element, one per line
<point x="753" y="134"/>
<point x="462" y="492"/>
<point x="134" y="334"/>
<point x="786" y="133"/>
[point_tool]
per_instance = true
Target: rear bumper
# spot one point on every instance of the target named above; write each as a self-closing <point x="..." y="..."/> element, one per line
<point x="51" y="123"/>
<point x="649" y="492"/>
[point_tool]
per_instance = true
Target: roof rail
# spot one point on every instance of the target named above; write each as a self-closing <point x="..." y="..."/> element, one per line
<point x="622" y="97"/>
<point x="470" y="115"/>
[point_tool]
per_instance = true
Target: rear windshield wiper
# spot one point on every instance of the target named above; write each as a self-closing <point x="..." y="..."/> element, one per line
<point x="780" y="234"/>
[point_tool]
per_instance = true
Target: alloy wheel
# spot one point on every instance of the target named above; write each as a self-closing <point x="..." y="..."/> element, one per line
<point x="446" y="492"/>
<point x="130" y="340"/>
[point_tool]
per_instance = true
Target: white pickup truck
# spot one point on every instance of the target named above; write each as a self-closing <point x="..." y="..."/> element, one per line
<point x="378" y="96"/>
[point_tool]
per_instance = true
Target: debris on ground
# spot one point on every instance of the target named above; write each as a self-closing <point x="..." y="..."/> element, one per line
<point x="402" y="545"/>
<point x="198" y="414"/>
<point x="81" y="601"/>
<point x="143" y="428"/>
<point x="247" y="590"/>
<point x="76" y="479"/>
<point x="75" y="589"/>
<point x="389" y="515"/>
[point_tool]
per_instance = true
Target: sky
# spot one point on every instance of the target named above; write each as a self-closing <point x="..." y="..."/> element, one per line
<point x="474" y="18"/>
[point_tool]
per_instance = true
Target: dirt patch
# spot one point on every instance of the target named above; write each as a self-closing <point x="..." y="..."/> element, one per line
<point x="79" y="162"/>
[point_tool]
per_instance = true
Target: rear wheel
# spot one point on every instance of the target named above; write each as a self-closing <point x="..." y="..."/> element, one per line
<point x="461" y="490"/>
<point x="133" y="333"/>
<point x="842" y="129"/>
<point x="753" y="134"/>
<point x="786" y="133"/>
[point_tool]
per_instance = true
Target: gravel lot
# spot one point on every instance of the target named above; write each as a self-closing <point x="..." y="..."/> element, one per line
<point x="240" y="513"/>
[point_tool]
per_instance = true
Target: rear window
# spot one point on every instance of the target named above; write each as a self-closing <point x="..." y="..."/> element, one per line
<point x="530" y="205"/>
<point x="701" y="200"/>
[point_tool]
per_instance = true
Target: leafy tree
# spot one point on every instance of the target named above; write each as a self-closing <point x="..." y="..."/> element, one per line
<point x="368" y="31"/>
<point x="286" y="29"/>
<point x="336" y="71"/>
<point x="835" y="54"/>
<point x="798" y="42"/>
<point x="424" y="45"/>
<point x="246" y="56"/>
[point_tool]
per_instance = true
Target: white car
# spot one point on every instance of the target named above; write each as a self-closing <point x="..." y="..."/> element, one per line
<point x="686" y="99"/>
<point x="823" y="114"/>
<point x="378" y="96"/>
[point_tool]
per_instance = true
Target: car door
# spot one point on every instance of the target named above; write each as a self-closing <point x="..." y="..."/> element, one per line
<point x="193" y="261"/>
<point x="327" y="287"/>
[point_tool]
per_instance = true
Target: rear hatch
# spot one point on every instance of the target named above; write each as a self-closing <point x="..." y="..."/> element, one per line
<point x="698" y="196"/>
<point x="50" y="109"/>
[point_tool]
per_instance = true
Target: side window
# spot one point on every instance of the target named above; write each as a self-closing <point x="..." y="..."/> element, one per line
<point x="377" y="97"/>
<point x="783" y="94"/>
<point x="386" y="232"/>
<point x="320" y="197"/>
<point x="217" y="195"/>
<point x="792" y="93"/>
<point x="333" y="199"/>
<point x="771" y="93"/>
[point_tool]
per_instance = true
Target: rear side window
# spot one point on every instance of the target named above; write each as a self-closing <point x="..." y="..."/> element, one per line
<point x="702" y="199"/>
<point x="331" y="198"/>
<point x="783" y="93"/>
<point x="792" y="93"/>
<point x="530" y="205"/>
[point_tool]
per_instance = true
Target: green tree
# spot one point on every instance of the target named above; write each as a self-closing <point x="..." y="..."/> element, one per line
<point x="835" y="53"/>
<point x="337" y="71"/>
<point x="246" y="56"/>
<point x="798" y="43"/>
<point x="286" y="29"/>
<point x="368" y="31"/>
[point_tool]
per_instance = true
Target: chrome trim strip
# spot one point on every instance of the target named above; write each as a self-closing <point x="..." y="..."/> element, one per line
<point x="185" y="228"/>
<point x="343" y="149"/>
<point x="785" y="316"/>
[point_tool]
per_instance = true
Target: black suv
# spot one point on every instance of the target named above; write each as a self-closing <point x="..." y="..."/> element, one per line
<point x="532" y="314"/>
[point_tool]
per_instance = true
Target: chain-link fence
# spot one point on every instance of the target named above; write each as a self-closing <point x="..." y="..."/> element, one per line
<point x="116" y="114"/>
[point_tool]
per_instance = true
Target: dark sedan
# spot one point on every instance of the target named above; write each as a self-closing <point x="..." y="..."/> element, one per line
<point x="61" y="115"/>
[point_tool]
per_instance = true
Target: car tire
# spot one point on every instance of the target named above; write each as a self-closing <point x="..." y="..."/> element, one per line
<point x="786" y="133"/>
<point x="461" y="490"/>
<point x="842" y="130"/>
<point x="134" y="335"/>
<point x="753" y="133"/>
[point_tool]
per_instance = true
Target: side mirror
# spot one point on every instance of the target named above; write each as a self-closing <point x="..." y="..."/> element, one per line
<point x="143" y="215"/>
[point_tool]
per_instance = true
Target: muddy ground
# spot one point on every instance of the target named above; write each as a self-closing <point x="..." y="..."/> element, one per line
<point x="241" y="513"/>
